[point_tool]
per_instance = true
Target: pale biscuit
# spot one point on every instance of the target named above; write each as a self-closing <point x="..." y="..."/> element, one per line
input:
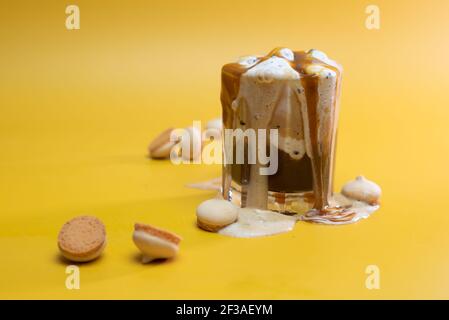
<point x="82" y="239"/>
<point x="214" y="214"/>
<point x="161" y="146"/>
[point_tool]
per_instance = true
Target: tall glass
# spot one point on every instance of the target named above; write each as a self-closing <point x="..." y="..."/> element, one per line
<point x="297" y="94"/>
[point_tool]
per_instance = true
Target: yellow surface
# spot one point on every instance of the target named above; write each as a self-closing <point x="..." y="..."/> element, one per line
<point x="78" y="108"/>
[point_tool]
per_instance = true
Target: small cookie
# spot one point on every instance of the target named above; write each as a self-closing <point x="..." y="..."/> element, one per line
<point x="214" y="214"/>
<point x="82" y="239"/>
<point x="362" y="189"/>
<point x="191" y="140"/>
<point x="216" y="123"/>
<point x="161" y="146"/>
<point x="155" y="243"/>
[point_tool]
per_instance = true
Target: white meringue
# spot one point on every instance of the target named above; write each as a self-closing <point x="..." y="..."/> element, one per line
<point x="362" y="189"/>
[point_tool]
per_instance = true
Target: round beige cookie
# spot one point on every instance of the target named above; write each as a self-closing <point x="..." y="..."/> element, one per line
<point x="82" y="239"/>
<point x="214" y="214"/>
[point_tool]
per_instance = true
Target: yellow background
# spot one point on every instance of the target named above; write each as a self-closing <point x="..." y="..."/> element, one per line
<point x="78" y="108"/>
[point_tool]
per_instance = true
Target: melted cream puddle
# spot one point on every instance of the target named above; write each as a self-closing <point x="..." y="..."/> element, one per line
<point x="257" y="223"/>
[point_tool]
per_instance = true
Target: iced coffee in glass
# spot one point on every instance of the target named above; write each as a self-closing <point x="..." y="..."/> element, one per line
<point x="297" y="94"/>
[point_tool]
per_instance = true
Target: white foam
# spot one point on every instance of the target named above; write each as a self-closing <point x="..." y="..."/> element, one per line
<point x="294" y="147"/>
<point x="274" y="68"/>
<point x="263" y="89"/>
<point x="320" y="55"/>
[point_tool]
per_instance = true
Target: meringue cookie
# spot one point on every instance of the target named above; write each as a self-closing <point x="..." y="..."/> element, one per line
<point x="214" y="214"/>
<point x="161" y="146"/>
<point x="362" y="189"/>
<point x="155" y="243"/>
